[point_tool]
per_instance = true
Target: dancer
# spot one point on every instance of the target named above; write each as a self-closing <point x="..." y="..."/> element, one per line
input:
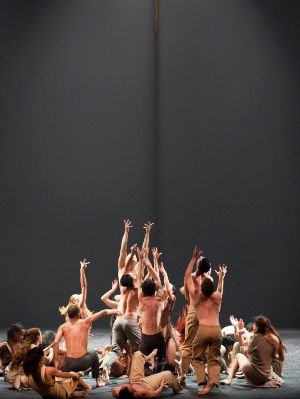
<point x="42" y="378"/>
<point x="151" y="307"/>
<point x="207" y="342"/>
<point x="80" y="299"/>
<point x="140" y="386"/>
<point x="14" y="339"/>
<point x="75" y="333"/>
<point x="265" y="346"/>
<point x="203" y="269"/>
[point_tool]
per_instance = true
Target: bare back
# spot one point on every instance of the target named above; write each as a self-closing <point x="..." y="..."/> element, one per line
<point x="130" y="302"/>
<point x="76" y="335"/>
<point x="151" y="307"/>
<point x="208" y="309"/>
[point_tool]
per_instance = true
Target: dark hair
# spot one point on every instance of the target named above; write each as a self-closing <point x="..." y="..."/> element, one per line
<point x="126" y="280"/>
<point x="32" y="360"/>
<point x="207" y="287"/>
<point x="227" y="341"/>
<point x="13" y="331"/>
<point x="48" y="338"/>
<point x="249" y="326"/>
<point x="125" y="393"/>
<point x="73" y="311"/>
<point x="148" y="287"/>
<point x="264" y="327"/>
<point x="203" y="266"/>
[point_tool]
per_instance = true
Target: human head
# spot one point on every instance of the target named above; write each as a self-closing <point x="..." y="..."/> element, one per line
<point x="15" y="333"/>
<point x="73" y="312"/>
<point x="33" y="360"/>
<point x="75" y="299"/>
<point x="127" y="280"/>
<point x="48" y="338"/>
<point x="33" y="336"/>
<point x="126" y="392"/>
<point x="207" y="287"/>
<point x="148" y="287"/>
<point x="262" y="325"/>
<point x="203" y="266"/>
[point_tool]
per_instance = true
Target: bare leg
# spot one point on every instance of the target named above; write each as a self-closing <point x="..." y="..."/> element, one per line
<point x="240" y="360"/>
<point x="151" y="357"/>
<point x="84" y="385"/>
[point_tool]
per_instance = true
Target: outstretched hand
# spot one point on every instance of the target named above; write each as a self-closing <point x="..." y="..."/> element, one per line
<point x="84" y="264"/>
<point x="133" y="249"/>
<point x="162" y="268"/>
<point x="114" y="284"/>
<point x="233" y="320"/>
<point x="222" y="271"/>
<point x="197" y="252"/>
<point x="142" y="253"/>
<point x="155" y="253"/>
<point x="148" y="226"/>
<point x="127" y="225"/>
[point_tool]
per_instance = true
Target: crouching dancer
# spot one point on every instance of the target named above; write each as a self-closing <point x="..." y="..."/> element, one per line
<point x="75" y="333"/>
<point x="140" y="386"/>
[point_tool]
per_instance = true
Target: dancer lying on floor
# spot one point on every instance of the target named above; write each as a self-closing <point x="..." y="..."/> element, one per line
<point x="140" y="386"/>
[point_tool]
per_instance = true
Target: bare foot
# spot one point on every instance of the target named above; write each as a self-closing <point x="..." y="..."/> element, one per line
<point x="205" y="390"/>
<point x="105" y="376"/>
<point x="225" y="382"/>
<point x="151" y="357"/>
<point x="100" y="383"/>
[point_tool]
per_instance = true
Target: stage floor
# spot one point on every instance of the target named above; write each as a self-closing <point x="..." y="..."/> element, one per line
<point x="238" y="389"/>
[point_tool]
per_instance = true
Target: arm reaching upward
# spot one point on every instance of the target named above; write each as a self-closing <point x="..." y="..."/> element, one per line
<point x="83" y="282"/>
<point x="166" y="282"/>
<point x="105" y="297"/>
<point x="188" y="280"/>
<point x="147" y="227"/>
<point x="128" y="264"/>
<point x="155" y="255"/>
<point x="124" y="242"/>
<point x="152" y="271"/>
<point x="221" y="274"/>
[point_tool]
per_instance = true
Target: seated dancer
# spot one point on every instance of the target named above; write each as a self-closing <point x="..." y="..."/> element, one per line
<point x="75" y="333"/>
<point x="14" y="339"/>
<point x="151" y="307"/>
<point x="140" y="386"/>
<point x="42" y="378"/>
<point x="125" y="327"/>
<point x="207" y="342"/>
<point x="265" y="347"/>
<point x="203" y="270"/>
<point x="76" y="299"/>
<point x="14" y="373"/>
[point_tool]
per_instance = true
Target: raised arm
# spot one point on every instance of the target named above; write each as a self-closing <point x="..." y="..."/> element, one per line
<point x="147" y="227"/>
<point x="128" y="263"/>
<point x="124" y="242"/>
<point x="105" y="297"/>
<point x="83" y="283"/>
<point x="188" y="279"/>
<point x="152" y="272"/>
<point x="166" y="282"/>
<point x="156" y="255"/>
<point x="221" y="274"/>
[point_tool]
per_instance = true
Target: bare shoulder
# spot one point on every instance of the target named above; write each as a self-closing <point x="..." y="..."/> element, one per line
<point x="216" y="296"/>
<point x="275" y="338"/>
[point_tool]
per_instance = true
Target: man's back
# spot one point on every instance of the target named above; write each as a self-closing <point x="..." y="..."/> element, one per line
<point x="130" y="302"/>
<point x="76" y="334"/>
<point x="151" y="319"/>
<point x="208" y="309"/>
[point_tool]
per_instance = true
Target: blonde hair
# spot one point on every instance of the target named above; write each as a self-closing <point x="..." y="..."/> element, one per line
<point x="72" y="301"/>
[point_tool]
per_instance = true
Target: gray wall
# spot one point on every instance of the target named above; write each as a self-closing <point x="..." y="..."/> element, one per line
<point x="199" y="135"/>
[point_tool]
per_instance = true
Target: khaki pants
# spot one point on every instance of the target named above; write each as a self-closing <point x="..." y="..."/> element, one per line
<point x="153" y="381"/>
<point x="206" y="349"/>
<point x="191" y="327"/>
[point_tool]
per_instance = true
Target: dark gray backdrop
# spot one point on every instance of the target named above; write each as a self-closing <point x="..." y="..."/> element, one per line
<point x="199" y="135"/>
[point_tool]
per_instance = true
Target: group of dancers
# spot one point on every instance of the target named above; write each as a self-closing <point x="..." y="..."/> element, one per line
<point x="145" y="345"/>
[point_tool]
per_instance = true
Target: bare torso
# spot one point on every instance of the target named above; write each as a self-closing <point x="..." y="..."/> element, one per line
<point x="208" y="309"/>
<point x="129" y="302"/>
<point x="151" y="307"/>
<point x="76" y="335"/>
